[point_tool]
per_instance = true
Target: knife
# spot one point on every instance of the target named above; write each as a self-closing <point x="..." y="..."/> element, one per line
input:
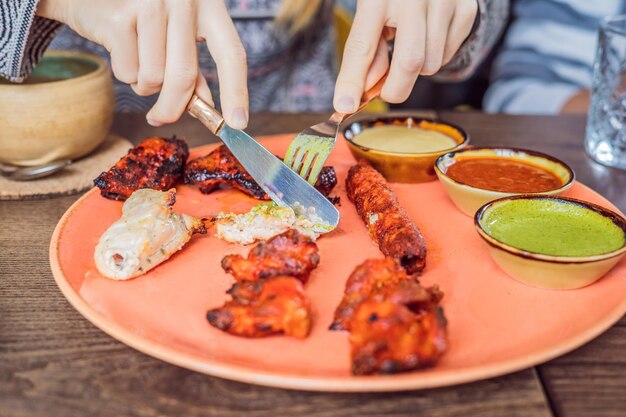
<point x="282" y="185"/>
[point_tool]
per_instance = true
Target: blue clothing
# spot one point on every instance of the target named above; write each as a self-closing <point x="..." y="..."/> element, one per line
<point x="548" y="54"/>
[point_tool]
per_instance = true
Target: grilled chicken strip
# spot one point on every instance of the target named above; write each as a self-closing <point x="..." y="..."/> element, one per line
<point x="221" y="168"/>
<point x="382" y="280"/>
<point x="265" y="307"/>
<point x="387" y="222"/>
<point x="290" y="253"/>
<point x="148" y="233"/>
<point x="387" y="338"/>
<point x="155" y="163"/>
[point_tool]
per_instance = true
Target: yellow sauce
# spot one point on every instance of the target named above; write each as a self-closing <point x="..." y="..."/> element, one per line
<point x="403" y="139"/>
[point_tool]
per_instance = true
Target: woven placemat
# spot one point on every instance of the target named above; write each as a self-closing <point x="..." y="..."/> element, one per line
<point x="73" y="179"/>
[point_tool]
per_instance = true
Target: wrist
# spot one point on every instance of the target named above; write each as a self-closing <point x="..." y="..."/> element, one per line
<point x="53" y="9"/>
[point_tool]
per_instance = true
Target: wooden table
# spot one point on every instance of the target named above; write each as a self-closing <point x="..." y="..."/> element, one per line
<point x="55" y="363"/>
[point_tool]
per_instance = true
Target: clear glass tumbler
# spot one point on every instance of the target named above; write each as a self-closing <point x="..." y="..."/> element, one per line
<point x="605" y="138"/>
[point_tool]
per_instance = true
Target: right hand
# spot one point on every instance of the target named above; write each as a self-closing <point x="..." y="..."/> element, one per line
<point x="427" y="35"/>
<point x="153" y="48"/>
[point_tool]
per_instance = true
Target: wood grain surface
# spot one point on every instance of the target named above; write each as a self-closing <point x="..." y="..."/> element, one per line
<point x="55" y="363"/>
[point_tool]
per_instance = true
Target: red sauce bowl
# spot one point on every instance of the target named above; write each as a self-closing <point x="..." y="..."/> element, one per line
<point x="469" y="198"/>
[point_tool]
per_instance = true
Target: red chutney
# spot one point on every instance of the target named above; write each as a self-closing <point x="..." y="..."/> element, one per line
<point x="503" y="174"/>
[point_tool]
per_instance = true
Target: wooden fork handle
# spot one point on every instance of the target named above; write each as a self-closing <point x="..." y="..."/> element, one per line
<point x="204" y="112"/>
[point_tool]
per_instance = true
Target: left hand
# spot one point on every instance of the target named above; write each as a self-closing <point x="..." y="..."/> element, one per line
<point x="427" y="35"/>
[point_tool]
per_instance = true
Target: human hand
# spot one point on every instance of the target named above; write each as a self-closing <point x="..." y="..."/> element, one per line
<point x="427" y="35"/>
<point x="153" y="48"/>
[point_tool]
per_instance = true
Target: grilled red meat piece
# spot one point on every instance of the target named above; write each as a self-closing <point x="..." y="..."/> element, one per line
<point x="387" y="338"/>
<point x="221" y="168"/>
<point x="290" y="253"/>
<point x="155" y="163"/>
<point x="382" y="280"/>
<point x="265" y="307"/>
<point x="387" y="222"/>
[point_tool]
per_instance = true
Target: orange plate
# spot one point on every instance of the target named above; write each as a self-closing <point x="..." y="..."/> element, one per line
<point x="496" y="324"/>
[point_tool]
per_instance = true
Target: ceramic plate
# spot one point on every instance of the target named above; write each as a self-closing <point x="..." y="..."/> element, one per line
<point x="496" y="324"/>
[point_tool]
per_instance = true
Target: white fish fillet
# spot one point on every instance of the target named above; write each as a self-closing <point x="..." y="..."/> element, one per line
<point x="148" y="233"/>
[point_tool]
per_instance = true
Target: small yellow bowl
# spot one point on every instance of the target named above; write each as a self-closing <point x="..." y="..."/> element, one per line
<point x="469" y="199"/>
<point x="397" y="166"/>
<point x="548" y="271"/>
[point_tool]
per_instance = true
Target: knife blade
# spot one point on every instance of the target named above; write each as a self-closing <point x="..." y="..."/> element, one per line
<point x="282" y="185"/>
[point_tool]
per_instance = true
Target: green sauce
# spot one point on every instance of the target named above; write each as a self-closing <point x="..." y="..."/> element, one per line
<point x="58" y="68"/>
<point x="553" y="227"/>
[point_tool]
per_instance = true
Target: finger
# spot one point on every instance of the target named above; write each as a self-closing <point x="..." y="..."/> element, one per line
<point x="361" y="47"/>
<point x="408" y="55"/>
<point x="181" y="64"/>
<point x="151" y="40"/>
<point x="123" y="48"/>
<point x="438" y="20"/>
<point x="229" y="55"/>
<point x="380" y="64"/>
<point x="460" y="28"/>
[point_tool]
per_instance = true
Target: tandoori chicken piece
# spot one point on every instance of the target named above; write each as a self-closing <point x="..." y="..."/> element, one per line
<point x="290" y="253"/>
<point x="263" y="308"/>
<point x="382" y="280"/>
<point x="387" y="338"/>
<point x="155" y="163"/>
<point x="387" y="222"/>
<point x="221" y="168"/>
<point x="147" y="234"/>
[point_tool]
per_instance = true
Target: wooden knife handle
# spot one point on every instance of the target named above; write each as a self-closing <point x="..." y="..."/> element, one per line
<point x="202" y="111"/>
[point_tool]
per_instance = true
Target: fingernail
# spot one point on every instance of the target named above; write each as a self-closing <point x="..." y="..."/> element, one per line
<point x="239" y="118"/>
<point x="154" y="123"/>
<point x="345" y="104"/>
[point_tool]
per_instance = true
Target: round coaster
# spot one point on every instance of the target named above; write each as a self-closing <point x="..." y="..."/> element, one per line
<point x="72" y="179"/>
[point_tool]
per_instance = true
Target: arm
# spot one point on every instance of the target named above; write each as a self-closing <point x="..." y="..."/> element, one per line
<point x="25" y="38"/>
<point x="545" y="66"/>
<point x="490" y="21"/>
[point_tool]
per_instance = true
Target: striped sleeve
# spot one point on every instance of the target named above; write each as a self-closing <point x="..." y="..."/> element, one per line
<point x="491" y="20"/>
<point x="23" y="37"/>
<point x="547" y="56"/>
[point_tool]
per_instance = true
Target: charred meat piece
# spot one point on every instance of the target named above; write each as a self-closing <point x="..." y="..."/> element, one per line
<point x="388" y="338"/>
<point x="382" y="280"/>
<point x="290" y="253"/>
<point x="221" y="168"/>
<point x="155" y="163"/>
<point x="387" y="222"/>
<point x="265" y="307"/>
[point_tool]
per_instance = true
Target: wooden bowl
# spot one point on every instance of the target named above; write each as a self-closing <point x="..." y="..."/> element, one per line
<point x="398" y="166"/>
<point x="64" y="110"/>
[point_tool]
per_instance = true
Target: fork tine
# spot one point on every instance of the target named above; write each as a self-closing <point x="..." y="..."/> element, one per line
<point x="306" y="166"/>
<point x="317" y="168"/>
<point x="291" y="153"/>
<point x="299" y="157"/>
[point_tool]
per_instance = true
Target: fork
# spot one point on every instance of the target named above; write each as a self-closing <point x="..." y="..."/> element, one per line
<point x="310" y="149"/>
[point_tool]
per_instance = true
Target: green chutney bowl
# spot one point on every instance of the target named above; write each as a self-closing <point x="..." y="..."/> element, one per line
<point x="552" y="242"/>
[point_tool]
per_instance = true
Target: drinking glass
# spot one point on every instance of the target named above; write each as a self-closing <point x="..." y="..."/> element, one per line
<point x="605" y="138"/>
